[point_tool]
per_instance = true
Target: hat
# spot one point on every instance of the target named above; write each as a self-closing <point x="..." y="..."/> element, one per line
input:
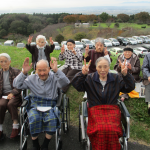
<point x="128" y="49"/>
<point x="70" y="40"/>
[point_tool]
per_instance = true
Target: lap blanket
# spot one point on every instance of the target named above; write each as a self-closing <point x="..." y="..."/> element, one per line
<point x="42" y="121"/>
<point x="104" y="127"/>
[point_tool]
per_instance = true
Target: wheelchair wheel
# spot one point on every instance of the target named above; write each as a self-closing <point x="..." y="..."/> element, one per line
<point x="80" y="138"/>
<point x="58" y="141"/>
<point x="66" y="114"/>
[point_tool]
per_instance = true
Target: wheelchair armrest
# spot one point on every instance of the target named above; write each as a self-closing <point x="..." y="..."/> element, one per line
<point x="24" y="104"/>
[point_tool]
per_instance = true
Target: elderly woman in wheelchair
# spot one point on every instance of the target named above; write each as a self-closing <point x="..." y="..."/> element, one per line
<point x="104" y="118"/>
<point x="43" y="98"/>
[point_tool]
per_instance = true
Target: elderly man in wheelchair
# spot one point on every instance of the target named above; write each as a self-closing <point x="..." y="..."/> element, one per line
<point x="104" y="117"/>
<point x="42" y="99"/>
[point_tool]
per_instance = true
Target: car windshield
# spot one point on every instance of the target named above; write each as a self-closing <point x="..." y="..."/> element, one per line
<point x="78" y="43"/>
<point x="144" y="50"/>
<point x="139" y="38"/>
<point x="107" y="41"/>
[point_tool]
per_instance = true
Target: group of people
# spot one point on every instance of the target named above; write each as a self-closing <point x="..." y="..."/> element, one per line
<point x="102" y="88"/>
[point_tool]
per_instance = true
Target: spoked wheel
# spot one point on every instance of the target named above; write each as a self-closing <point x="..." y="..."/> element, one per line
<point x="58" y="140"/>
<point x="80" y="138"/>
<point x="66" y="114"/>
<point x="25" y="146"/>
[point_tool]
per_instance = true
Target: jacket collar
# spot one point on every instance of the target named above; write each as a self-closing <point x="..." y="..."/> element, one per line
<point x="110" y="77"/>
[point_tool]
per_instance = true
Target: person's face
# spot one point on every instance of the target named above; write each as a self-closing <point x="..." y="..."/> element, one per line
<point x="99" y="47"/>
<point x="127" y="54"/>
<point x="41" y="42"/>
<point x="4" y="63"/>
<point x="70" y="46"/>
<point x="42" y="70"/>
<point x="102" y="68"/>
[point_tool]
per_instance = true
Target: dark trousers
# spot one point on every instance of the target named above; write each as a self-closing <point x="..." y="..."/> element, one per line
<point x="70" y="73"/>
<point x="11" y="105"/>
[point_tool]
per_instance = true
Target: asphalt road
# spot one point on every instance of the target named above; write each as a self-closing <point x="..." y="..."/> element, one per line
<point x="70" y="140"/>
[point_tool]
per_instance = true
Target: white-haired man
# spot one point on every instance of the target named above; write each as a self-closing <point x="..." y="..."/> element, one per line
<point x="43" y="86"/>
<point x="41" y="50"/>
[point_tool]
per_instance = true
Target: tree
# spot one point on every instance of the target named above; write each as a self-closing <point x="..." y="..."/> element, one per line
<point x="123" y="17"/>
<point x="142" y="16"/>
<point x="17" y="38"/>
<point x="3" y="32"/>
<point x="104" y="16"/>
<point x="59" y="38"/>
<point x="80" y="36"/>
<point x="70" y="18"/>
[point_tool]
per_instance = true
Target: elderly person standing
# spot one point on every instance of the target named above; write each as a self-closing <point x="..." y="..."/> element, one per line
<point x="103" y="90"/>
<point x="13" y="100"/>
<point x="93" y="55"/>
<point x="133" y="65"/>
<point x="40" y="50"/>
<point x="43" y="86"/>
<point x="73" y="61"/>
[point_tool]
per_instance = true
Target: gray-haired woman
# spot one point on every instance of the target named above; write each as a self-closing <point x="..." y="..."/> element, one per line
<point x="10" y="97"/>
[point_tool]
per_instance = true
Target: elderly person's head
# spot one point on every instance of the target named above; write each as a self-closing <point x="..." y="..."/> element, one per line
<point x="70" y="44"/>
<point x="127" y="52"/>
<point x="99" y="44"/>
<point x="41" y="41"/>
<point x="42" y="69"/>
<point x="5" y="61"/>
<point x="102" y="67"/>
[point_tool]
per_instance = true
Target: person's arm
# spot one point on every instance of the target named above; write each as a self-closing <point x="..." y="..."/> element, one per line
<point x="145" y="67"/>
<point x="62" y="56"/>
<point x="136" y="68"/>
<point x="30" y="48"/>
<point x="79" y="54"/>
<point x="50" y="48"/>
<point x="117" y="66"/>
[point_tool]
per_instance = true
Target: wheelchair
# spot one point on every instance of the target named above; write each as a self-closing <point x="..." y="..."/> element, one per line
<point x="83" y="123"/>
<point x="62" y="105"/>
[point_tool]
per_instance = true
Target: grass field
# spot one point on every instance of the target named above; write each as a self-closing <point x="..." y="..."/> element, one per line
<point x="140" y="120"/>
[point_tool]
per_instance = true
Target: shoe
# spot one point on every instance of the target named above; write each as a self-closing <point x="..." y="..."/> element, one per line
<point x="15" y="133"/>
<point x="1" y="135"/>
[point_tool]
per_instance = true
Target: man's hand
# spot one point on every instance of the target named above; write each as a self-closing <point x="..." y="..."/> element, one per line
<point x="62" y="49"/>
<point x="30" y="39"/>
<point x="10" y="96"/>
<point x="85" y="68"/>
<point x="53" y="64"/>
<point x="105" y="51"/>
<point x="129" y="66"/>
<point x="86" y="50"/>
<point x="26" y="66"/>
<point x="51" y="41"/>
<point x="149" y="79"/>
<point x="124" y="68"/>
<point x="120" y="63"/>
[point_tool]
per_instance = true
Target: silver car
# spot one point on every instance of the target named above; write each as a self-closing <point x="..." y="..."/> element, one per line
<point x="138" y="39"/>
<point x="57" y="46"/>
<point x="132" y="41"/>
<point x="114" y="41"/>
<point x="145" y="39"/>
<point x="107" y="43"/>
<point x="78" y="44"/>
<point x="140" y="51"/>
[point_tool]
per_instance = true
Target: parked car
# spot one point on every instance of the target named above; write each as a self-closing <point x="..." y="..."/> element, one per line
<point x="9" y="43"/>
<point x="86" y="42"/>
<point x="147" y="46"/>
<point x="93" y="42"/>
<point x="145" y="39"/>
<point x="122" y="40"/>
<point x="57" y="46"/>
<point x="107" y="43"/>
<point x="33" y="43"/>
<point x="138" y="39"/>
<point x="114" y="42"/>
<point x="115" y="51"/>
<point x="148" y="36"/>
<point x="64" y="43"/>
<point x="20" y="45"/>
<point x="78" y="44"/>
<point x="140" y="51"/>
<point x="131" y="41"/>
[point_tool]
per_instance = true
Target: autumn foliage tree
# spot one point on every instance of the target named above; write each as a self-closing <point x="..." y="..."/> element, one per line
<point x="123" y="17"/>
<point x="71" y="18"/>
<point x="142" y="16"/>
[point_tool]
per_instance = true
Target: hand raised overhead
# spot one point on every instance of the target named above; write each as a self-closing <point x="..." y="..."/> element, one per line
<point x="30" y="39"/>
<point x="85" y="68"/>
<point x="26" y="66"/>
<point x="53" y="64"/>
<point x="62" y="49"/>
<point x="124" y="68"/>
<point x="51" y="41"/>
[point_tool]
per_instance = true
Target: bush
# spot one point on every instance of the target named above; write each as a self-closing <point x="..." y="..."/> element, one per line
<point x="80" y="36"/>
<point x="116" y="25"/>
<point x="148" y="24"/>
<point x="59" y="38"/>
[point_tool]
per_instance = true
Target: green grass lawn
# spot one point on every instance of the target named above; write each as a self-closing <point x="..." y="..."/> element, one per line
<point x="140" y="120"/>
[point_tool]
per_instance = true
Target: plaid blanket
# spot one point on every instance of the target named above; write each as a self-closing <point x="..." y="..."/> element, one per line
<point x="104" y="127"/>
<point x="42" y="121"/>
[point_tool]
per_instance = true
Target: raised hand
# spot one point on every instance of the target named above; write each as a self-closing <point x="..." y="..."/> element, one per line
<point x="87" y="50"/>
<point x="26" y="66"/>
<point x="62" y="49"/>
<point x="105" y="51"/>
<point x="51" y="41"/>
<point x="129" y="66"/>
<point x="73" y="51"/>
<point x="120" y="63"/>
<point x="124" y="68"/>
<point x="30" y="39"/>
<point x="85" y="68"/>
<point x="53" y="64"/>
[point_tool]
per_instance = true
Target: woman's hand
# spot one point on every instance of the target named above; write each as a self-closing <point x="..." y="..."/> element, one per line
<point x="124" y="69"/>
<point x="26" y="66"/>
<point x="30" y="39"/>
<point x="105" y="51"/>
<point x="53" y="64"/>
<point x="10" y="96"/>
<point x="85" y="68"/>
<point x="51" y="41"/>
<point x="62" y="49"/>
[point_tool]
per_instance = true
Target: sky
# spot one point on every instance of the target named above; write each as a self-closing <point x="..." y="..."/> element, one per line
<point x="9" y="6"/>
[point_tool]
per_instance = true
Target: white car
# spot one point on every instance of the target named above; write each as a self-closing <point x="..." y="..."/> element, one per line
<point x="140" y="51"/>
<point x="107" y="43"/>
<point x="20" y="45"/>
<point x="64" y="43"/>
<point x="93" y="41"/>
<point x="148" y="36"/>
<point x="114" y="41"/>
<point x="33" y="43"/>
<point x="57" y="46"/>
<point x="138" y="39"/>
<point x="87" y="42"/>
<point x="132" y="41"/>
<point x="145" y="39"/>
<point x="78" y="44"/>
